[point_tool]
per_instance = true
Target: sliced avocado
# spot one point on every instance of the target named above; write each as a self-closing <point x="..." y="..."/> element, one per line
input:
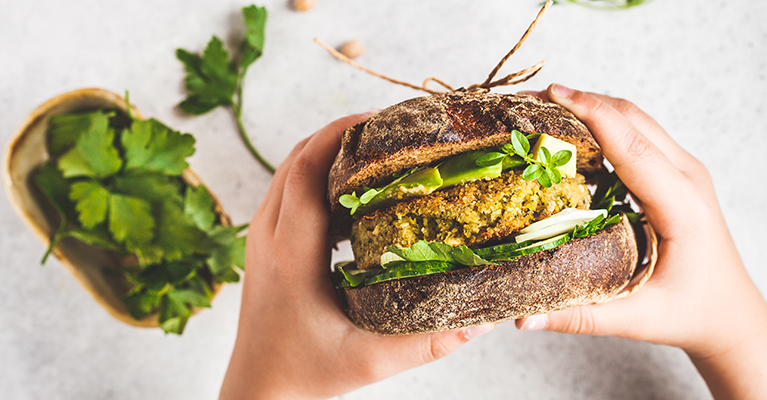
<point x="463" y="168"/>
<point x="419" y="183"/>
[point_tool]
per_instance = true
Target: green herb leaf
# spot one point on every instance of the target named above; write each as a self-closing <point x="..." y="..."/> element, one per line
<point x="130" y="219"/>
<point x="94" y="154"/>
<point x="65" y="129"/>
<point x="369" y="195"/>
<point x="520" y="143"/>
<point x="554" y="175"/>
<point x="561" y="158"/>
<point x="544" y="156"/>
<point x="151" y="146"/>
<point x="532" y="172"/>
<point x="92" y="200"/>
<point x="253" y="45"/>
<point x="198" y="205"/>
<point x="211" y="80"/>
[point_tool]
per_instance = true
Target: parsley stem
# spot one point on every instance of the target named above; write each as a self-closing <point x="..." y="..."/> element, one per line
<point x="237" y="109"/>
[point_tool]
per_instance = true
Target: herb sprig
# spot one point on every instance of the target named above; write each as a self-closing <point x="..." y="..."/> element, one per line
<point x="213" y="80"/>
<point x="605" y="4"/>
<point x="116" y="184"/>
<point x="545" y="170"/>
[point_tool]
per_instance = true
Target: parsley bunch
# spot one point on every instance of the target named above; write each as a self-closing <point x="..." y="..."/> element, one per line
<point x="116" y="184"/>
<point x="214" y="80"/>
<point x="545" y="170"/>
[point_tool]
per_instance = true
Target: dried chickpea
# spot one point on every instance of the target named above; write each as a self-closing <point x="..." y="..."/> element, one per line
<point x="352" y="49"/>
<point x="303" y="5"/>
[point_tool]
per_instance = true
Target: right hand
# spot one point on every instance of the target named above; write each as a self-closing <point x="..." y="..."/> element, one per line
<point x="700" y="298"/>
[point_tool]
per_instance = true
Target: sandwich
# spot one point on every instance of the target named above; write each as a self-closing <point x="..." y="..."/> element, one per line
<point x="471" y="207"/>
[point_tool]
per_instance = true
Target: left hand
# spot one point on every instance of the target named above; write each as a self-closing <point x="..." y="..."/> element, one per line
<point x="294" y="340"/>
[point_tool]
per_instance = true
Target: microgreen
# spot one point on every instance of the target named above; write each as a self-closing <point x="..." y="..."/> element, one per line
<point x="605" y="4"/>
<point x="119" y="188"/>
<point x="214" y="80"/>
<point x="545" y="170"/>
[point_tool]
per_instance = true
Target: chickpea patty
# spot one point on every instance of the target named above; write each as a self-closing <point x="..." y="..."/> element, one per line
<point x="470" y="214"/>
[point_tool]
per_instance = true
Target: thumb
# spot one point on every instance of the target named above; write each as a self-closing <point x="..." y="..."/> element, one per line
<point x="425" y="348"/>
<point x="578" y="320"/>
<point x="610" y="319"/>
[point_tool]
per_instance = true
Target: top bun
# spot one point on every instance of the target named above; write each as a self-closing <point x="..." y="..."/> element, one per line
<point x="424" y="130"/>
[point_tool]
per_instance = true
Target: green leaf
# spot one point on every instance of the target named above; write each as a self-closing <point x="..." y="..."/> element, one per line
<point x="554" y="175"/>
<point x="252" y="46"/>
<point x="198" y="205"/>
<point x="492" y="158"/>
<point x="211" y="80"/>
<point x="151" y="146"/>
<point x="465" y="256"/>
<point x="92" y="201"/>
<point x="94" y="154"/>
<point x="532" y="172"/>
<point x="350" y="201"/>
<point x="227" y="249"/>
<point x="520" y="143"/>
<point x="56" y="189"/>
<point x="65" y="129"/>
<point x="130" y="219"/>
<point x="353" y="279"/>
<point x="544" y="156"/>
<point x="369" y="195"/>
<point x="544" y="179"/>
<point x="561" y="158"/>
<point x="98" y="237"/>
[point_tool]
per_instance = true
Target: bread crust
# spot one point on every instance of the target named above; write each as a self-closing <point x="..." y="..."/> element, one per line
<point x="582" y="271"/>
<point x="427" y="129"/>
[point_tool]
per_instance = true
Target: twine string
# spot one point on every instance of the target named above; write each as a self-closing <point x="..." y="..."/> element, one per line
<point x="488" y="84"/>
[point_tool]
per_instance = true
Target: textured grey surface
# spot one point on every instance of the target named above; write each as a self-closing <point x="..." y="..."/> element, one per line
<point x="697" y="67"/>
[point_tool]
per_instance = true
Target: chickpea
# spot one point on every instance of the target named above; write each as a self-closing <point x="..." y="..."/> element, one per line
<point x="352" y="49"/>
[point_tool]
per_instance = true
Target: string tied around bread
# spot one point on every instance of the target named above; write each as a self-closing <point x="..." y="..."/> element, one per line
<point x="489" y="83"/>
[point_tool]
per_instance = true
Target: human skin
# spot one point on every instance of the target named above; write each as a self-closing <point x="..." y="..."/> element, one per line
<point x="700" y="298"/>
<point x="294" y="340"/>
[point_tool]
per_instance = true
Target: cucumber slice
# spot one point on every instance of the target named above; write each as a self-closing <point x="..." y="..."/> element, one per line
<point x="561" y="222"/>
<point x="500" y="249"/>
<point x="409" y="269"/>
<point x="547" y="244"/>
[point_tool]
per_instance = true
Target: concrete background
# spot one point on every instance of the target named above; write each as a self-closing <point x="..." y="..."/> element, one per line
<point x="697" y="67"/>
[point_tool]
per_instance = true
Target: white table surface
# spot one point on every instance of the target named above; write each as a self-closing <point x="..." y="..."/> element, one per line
<point x="698" y="67"/>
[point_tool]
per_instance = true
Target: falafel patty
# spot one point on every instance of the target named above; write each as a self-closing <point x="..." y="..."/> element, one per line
<point x="469" y="214"/>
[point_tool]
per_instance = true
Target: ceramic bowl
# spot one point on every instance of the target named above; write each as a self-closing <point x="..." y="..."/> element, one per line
<point x="96" y="269"/>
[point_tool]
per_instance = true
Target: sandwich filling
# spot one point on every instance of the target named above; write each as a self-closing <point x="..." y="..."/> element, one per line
<point x="471" y="214"/>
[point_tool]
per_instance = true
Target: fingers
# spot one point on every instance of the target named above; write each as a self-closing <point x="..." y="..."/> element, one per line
<point x="305" y="189"/>
<point x="651" y="129"/>
<point x="599" y="320"/>
<point x="410" y="351"/>
<point x="640" y="164"/>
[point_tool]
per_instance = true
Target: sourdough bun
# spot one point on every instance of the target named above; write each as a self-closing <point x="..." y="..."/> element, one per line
<point x="427" y="129"/>
<point x="582" y="271"/>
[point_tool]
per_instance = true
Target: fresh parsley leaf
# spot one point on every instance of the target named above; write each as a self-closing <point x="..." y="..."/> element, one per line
<point x="65" y="129"/>
<point x="94" y="154"/>
<point x="151" y="146"/>
<point x="130" y="219"/>
<point x="92" y="200"/>
<point x="252" y="46"/>
<point x="211" y="79"/>
<point x="198" y="205"/>
<point x="214" y="80"/>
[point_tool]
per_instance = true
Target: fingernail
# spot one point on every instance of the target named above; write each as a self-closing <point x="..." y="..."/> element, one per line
<point x="473" y="332"/>
<point x="535" y="323"/>
<point x="561" y="91"/>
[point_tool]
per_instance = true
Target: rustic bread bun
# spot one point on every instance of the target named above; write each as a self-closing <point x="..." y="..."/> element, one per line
<point x="582" y="271"/>
<point x="423" y="130"/>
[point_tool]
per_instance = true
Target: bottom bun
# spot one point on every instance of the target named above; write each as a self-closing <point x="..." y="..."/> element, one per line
<point x="582" y="271"/>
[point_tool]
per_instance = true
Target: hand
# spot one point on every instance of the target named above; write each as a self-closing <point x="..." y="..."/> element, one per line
<point x="294" y="340"/>
<point x="700" y="298"/>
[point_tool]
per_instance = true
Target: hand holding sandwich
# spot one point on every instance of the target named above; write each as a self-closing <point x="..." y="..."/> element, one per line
<point x="294" y="340"/>
<point x="701" y="298"/>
